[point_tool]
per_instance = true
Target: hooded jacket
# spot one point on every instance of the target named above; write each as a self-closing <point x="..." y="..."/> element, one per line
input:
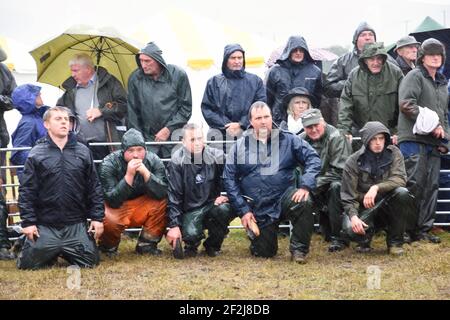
<point x="155" y="104"/>
<point x="370" y="97"/>
<point x="31" y="126"/>
<point x="229" y="95"/>
<point x="364" y="169"/>
<point x="333" y="149"/>
<point x="60" y="187"/>
<point x="7" y="85"/>
<point x="420" y="88"/>
<point x="191" y="185"/>
<point x="111" y="96"/>
<point x="286" y="75"/>
<point x="114" y="167"/>
<point x="264" y="172"/>
<point x="341" y="68"/>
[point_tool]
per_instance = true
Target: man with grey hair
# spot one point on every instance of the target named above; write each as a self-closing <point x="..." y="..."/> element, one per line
<point x="195" y="200"/>
<point x="99" y="101"/>
<point x="259" y="181"/>
<point x="334" y="149"/>
<point x="406" y="49"/>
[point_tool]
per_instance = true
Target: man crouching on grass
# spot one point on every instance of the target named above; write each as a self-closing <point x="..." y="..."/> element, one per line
<point x="59" y="191"/>
<point x="373" y="191"/>
<point x="135" y="190"/>
<point x="195" y="203"/>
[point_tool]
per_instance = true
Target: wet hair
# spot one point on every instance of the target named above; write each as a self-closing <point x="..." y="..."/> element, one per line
<point x="83" y="59"/>
<point x="191" y="126"/>
<point x="257" y="105"/>
<point x="48" y="113"/>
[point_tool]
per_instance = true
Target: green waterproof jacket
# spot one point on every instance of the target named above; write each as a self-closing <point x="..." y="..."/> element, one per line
<point x="113" y="168"/>
<point x="333" y="149"/>
<point x="419" y="88"/>
<point x="357" y="177"/>
<point x="370" y="97"/>
<point x="155" y="104"/>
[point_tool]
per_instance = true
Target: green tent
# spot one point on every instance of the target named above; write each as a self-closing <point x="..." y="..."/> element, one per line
<point x="428" y="24"/>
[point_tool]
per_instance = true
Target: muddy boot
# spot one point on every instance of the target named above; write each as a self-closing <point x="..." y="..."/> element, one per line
<point x="148" y="244"/>
<point x="109" y="252"/>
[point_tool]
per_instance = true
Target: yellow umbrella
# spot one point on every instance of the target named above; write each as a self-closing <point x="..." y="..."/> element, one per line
<point x="106" y="46"/>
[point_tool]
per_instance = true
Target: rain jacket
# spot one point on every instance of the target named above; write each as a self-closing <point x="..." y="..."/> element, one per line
<point x="112" y="100"/>
<point x="333" y="149"/>
<point x="266" y="175"/>
<point x="358" y="176"/>
<point x="192" y="186"/>
<point x="422" y="90"/>
<point x="31" y="126"/>
<point x="7" y="85"/>
<point x="403" y="65"/>
<point x="341" y="68"/>
<point x="370" y="97"/>
<point x="155" y="104"/>
<point x="229" y="95"/>
<point x="114" y="167"/>
<point x="60" y="187"/>
<point x="287" y="75"/>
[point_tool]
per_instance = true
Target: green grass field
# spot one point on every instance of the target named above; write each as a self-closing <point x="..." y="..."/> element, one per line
<point x="422" y="273"/>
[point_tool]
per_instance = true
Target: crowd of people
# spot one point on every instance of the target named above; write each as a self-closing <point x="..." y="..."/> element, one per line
<point x="276" y="157"/>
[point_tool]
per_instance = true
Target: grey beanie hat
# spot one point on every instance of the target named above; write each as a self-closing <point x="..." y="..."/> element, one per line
<point x="363" y="26"/>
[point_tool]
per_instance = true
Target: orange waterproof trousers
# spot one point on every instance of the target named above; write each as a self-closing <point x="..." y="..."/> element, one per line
<point x="139" y="212"/>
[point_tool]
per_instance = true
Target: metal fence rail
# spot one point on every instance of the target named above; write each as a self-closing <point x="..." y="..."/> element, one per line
<point x="93" y="144"/>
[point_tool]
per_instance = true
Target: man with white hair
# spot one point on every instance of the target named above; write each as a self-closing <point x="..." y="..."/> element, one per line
<point x="98" y="100"/>
<point x="406" y="49"/>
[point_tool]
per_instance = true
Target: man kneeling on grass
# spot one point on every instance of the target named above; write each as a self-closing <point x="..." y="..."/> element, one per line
<point x="59" y="191"/>
<point x="135" y="189"/>
<point x="373" y="191"/>
<point x="195" y="202"/>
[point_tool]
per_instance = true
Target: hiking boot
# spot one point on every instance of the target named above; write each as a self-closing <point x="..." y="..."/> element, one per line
<point x="298" y="256"/>
<point x="426" y="236"/>
<point x="6" y="255"/>
<point x="396" y="251"/>
<point x="109" y="252"/>
<point x="178" y="252"/>
<point x="190" y="252"/>
<point x="363" y="248"/>
<point x="337" y="245"/>
<point x="211" y="252"/>
<point x="148" y="248"/>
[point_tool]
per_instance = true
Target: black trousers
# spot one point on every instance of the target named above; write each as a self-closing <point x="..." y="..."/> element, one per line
<point x="392" y="212"/>
<point x="4" y="242"/>
<point x="301" y="217"/>
<point x="211" y="217"/>
<point x="71" y="242"/>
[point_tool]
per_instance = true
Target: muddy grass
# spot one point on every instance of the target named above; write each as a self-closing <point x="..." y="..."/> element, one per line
<point x="422" y="273"/>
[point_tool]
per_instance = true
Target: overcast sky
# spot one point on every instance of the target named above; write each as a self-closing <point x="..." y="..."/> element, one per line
<point x="323" y="23"/>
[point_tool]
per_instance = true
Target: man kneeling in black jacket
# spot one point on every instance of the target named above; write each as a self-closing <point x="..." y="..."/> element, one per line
<point x="195" y="203"/>
<point x="59" y="191"/>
